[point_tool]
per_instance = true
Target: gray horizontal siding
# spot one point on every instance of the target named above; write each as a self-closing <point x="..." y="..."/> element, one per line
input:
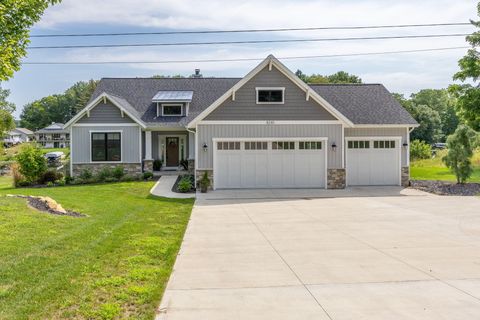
<point x="245" y="106"/>
<point x="80" y="143"/>
<point x="380" y="132"/>
<point x="207" y="132"/>
<point x="105" y="113"/>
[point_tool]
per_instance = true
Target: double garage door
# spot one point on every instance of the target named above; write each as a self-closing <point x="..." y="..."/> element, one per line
<point x="373" y="161"/>
<point x="260" y="163"/>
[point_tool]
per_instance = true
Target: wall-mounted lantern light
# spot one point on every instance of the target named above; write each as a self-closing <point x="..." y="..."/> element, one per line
<point x="334" y="147"/>
<point x="205" y="147"/>
<point x="405" y="144"/>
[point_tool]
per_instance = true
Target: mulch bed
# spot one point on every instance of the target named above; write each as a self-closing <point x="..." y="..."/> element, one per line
<point x="446" y="188"/>
<point x="40" y="205"/>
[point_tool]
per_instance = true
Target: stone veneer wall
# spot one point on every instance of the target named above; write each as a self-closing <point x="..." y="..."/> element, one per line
<point x="191" y="166"/>
<point x="199" y="175"/>
<point x="405" y="176"/>
<point x="335" y="178"/>
<point x="148" y="165"/>
<point x="129" y="168"/>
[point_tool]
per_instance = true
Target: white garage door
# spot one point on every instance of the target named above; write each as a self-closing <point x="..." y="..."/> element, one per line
<point x="373" y="162"/>
<point x="281" y="163"/>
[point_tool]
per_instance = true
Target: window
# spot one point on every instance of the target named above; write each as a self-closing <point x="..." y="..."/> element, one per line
<point x="388" y="144"/>
<point x="106" y="146"/>
<point x="310" y="145"/>
<point x="283" y="145"/>
<point x="171" y="109"/>
<point x="270" y="95"/>
<point x="231" y="145"/>
<point x="360" y="144"/>
<point x="255" y="145"/>
<point x="56" y="136"/>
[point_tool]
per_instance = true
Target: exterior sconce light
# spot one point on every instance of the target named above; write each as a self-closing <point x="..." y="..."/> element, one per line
<point x="334" y="147"/>
<point x="205" y="147"/>
<point x="405" y="144"/>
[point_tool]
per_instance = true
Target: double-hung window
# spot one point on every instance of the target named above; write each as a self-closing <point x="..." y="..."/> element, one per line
<point x="107" y="146"/>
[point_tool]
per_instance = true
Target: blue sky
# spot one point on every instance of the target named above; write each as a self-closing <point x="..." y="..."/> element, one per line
<point x="405" y="73"/>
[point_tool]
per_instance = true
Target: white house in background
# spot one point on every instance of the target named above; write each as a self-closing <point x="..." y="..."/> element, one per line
<point x="268" y="129"/>
<point x="18" y="135"/>
<point x="53" y="136"/>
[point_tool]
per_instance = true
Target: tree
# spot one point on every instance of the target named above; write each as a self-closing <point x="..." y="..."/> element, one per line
<point x="16" y="18"/>
<point x="339" y="77"/>
<point x="460" y="151"/>
<point x="6" y="108"/>
<point x="32" y="162"/>
<point x="468" y="105"/>
<point x="430" y="124"/>
<point x="58" y="107"/>
<point x="420" y="150"/>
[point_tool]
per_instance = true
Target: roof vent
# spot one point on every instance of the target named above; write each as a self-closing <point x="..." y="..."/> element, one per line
<point x="197" y="74"/>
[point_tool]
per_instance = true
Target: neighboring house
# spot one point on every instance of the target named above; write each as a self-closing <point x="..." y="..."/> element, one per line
<point x="266" y="130"/>
<point x="18" y="135"/>
<point x="53" y="136"/>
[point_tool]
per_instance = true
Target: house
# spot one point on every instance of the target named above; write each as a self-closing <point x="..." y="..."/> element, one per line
<point x="18" y="135"/>
<point x="53" y="136"/>
<point x="266" y="130"/>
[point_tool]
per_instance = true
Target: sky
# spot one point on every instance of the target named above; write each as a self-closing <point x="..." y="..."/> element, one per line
<point x="404" y="73"/>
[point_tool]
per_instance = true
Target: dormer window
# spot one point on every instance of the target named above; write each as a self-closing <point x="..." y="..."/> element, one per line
<point x="171" y="109"/>
<point x="270" y="95"/>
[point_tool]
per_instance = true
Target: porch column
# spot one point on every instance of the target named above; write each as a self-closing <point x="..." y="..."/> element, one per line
<point x="148" y="145"/>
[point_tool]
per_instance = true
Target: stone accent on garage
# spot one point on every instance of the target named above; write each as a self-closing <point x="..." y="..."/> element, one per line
<point x="405" y="176"/>
<point x="129" y="168"/>
<point x="336" y="179"/>
<point x="199" y="176"/>
<point x="148" y="165"/>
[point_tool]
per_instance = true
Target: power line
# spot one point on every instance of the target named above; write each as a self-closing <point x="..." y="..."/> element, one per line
<point x="250" y="30"/>
<point x="247" y="41"/>
<point x="244" y="59"/>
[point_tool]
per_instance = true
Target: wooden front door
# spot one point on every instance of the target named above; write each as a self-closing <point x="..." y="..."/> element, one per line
<point x="172" y="152"/>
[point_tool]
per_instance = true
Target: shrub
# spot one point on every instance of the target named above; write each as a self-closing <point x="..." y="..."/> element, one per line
<point x="86" y="174"/>
<point x="50" y="184"/>
<point x="184" y="164"/>
<point x="128" y="178"/>
<point x="157" y="165"/>
<point x="32" y="162"/>
<point x="111" y="179"/>
<point x="104" y="174"/>
<point x="69" y="180"/>
<point x="17" y="176"/>
<point x="185" y="185"/>
<point x="50" y="176"/>
<point x="460" y="151"/>
<point x="420" y="150"/>
<point x="118" y="172"/>
<point x="147" y="175"/>
<point x="60" y="182"/>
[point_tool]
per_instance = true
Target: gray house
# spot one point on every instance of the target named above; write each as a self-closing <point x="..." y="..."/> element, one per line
<point x="266" y="130"/>
<point x="53" y="136"/>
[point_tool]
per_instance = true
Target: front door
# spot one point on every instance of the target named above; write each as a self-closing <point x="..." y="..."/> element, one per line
<point x="172" y="152"/>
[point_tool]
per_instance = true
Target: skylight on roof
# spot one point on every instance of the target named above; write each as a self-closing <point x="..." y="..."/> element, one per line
<point x="177" y="96"/>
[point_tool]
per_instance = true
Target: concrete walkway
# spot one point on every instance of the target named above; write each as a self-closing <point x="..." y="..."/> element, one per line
<point x="355" y="256"/>
<point x="163" y="188"/>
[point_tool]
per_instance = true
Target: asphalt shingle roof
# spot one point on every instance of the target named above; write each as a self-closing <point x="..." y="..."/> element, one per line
<point x="360" y="103"/>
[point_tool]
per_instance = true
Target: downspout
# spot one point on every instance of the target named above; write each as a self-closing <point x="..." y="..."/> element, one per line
<point x="195" y="168"/>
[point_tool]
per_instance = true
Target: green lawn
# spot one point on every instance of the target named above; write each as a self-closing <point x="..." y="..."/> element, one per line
<point x="114" y="263"/>
<point x="434" y="169"/>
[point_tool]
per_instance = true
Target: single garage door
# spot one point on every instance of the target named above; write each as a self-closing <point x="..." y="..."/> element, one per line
<point x="372" y="162"/>
<point x="281" y="163"/>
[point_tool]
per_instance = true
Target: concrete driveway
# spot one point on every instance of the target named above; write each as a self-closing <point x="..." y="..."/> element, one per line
<point x="365" y="253"/>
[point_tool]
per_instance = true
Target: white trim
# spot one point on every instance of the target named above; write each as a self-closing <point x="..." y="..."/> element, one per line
<point x="324" y="141"/>
<point x="94" y="103"/>
<point x="375" y="138"/>
<point x="205" y="169"/>
<point x="171" y="105"/>
<point x="257" y="89"/>
<point x="408" y="148"/>
<point x="105" y="125"/>
<point x="384" y="125"/>
<point x="71" y="153"/>
<point x="140" y="144"/>
<point x="148" y="145"/>
<point x="269" y="122"/>
<point x="90" y="146"/>
<point x="343" y="147"/>
<point x="282" y="68"/>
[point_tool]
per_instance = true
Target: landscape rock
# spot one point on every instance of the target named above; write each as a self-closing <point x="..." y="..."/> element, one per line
<point x="446" y="188"/>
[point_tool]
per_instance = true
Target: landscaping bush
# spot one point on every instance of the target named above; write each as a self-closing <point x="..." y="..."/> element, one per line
<point x="184" y="164"/>
<point x="18" y="178"/>
<point x="118" y="172"/>
<point x="32" y="162"/>
<point x="128" y="178"/>
<point x="420" y="150"/>
<point x="111" y="179"/>
<point x="104" y="174"/>
<point x="185" y="184"/>
<point x="69" y="180"/>
<point x="147" y="175"/>
<point x="50" y="176"/>
<point x="460" y="151"/>
<point x="157" y="165"/>
<point x="86" y="174"/>
<point x="60" y="182"/>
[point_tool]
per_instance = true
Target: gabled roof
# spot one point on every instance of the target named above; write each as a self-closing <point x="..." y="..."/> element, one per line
<point x="365" y="104"/>
<point x="173" y="96"/>
<point x="55" y="127"/>
<point x="23" y="131"/>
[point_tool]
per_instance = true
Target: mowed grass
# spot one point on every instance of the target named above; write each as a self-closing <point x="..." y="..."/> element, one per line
<point x="112" y="264"/>
<point x="434" y="169"/>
